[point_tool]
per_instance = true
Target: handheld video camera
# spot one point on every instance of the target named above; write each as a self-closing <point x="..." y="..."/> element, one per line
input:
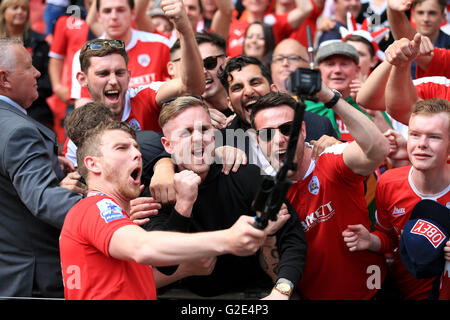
<point x="304" y="83"/>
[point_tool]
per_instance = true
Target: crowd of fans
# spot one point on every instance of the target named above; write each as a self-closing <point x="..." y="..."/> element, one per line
<point x="155" y="122"/>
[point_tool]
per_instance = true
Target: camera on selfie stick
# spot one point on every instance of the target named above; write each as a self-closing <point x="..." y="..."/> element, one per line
<point x="303" y="83"/>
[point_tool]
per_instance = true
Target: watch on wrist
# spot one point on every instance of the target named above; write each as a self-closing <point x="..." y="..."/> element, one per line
<point x="284" y="286"/>
<point x="337" y="95"/>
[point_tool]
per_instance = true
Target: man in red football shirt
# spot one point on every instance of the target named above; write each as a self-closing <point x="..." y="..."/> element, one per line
<point x="148" y="52"/>
<point x="399" y="190"/>
<point x="104" y="255"/>
<point x="328" y="194"/>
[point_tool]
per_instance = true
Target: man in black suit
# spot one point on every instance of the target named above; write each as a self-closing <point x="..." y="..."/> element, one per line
<point x="35" y="195"/>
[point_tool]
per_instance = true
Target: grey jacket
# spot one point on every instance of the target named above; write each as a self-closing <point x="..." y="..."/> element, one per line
<point x="32" y="206"/>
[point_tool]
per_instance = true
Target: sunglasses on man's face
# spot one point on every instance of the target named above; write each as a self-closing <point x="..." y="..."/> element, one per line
<point x="209" y="63"/>
<point x="267" y="134"/>
<point x="100" y="44"/>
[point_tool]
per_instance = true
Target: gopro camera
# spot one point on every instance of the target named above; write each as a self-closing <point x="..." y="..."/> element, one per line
<point x="304" y="82"/>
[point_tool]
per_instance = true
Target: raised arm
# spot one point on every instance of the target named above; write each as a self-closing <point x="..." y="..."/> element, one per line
<point x="398" y="21"/>
<point x="92" y="20"/>
<point x="299" y="14"/>
<point x="372" y="92"/>
<point x="402" y="28"/>
<point x="221" y="20"/>
<point x="370" y="147"/>
<point x="401" y="94"/>
<point x="192" y="80"/>
<point x="142" y="20"/>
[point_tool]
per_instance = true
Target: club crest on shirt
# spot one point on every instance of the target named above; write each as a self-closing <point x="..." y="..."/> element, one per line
<point x="314" y="185"/>
<point x="109" y="211"/>
<point x="133" y="123"/>
<point x="144" y="59"/>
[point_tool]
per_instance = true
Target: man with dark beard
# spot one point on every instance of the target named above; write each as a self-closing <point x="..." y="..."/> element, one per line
<point x="209" y="200"/>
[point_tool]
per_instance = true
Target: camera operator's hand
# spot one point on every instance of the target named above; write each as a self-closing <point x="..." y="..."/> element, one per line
<point x="325" y="94"/>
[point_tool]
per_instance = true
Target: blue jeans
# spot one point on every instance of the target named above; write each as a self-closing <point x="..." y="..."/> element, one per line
<point x="51" y="14"/>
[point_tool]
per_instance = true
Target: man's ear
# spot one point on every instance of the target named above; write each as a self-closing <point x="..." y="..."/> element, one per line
<point x="171" y="69"/>
<point x="4" y="81"/>
<point x="82" y="79"/>
<point x="166" y="144"/>
<point x="274" y="88"/>
<point x="229" y="104"/>
<point x="92" y="164"/>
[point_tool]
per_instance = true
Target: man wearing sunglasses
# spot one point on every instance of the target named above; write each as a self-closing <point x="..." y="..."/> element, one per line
<point x="207" y="199"/>
<point x="213" y="51"/>
<point x="328" y="194"/>
<point x="245" y="80"/>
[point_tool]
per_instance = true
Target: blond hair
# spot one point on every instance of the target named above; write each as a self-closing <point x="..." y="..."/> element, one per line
<point x="431" y="106"/>
<point x="5" y="4"/>
<point x="175" y="107"/>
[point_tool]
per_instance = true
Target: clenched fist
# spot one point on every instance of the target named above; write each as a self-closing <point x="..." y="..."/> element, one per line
<point x="186" y="185"/>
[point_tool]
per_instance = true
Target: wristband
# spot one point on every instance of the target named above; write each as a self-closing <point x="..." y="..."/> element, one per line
<point x="337" y="95"/>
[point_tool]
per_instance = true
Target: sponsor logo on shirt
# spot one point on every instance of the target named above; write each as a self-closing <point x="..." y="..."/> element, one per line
<point x="270" y="19"/>
<point x="342" y="127"/>
<point x="144" y="59"/>
<point x="236" y="42"/>
<point x="238" y="32"/>
<point x="314" y="185"/>
<point x="109" y="211"/>
<point x="398" y="212"/>
<point x="142" y="80"/>
<point x="429" y="231"/>
<point x="321" y="214"/>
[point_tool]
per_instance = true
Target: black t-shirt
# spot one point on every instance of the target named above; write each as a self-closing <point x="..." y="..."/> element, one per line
<point x="220" y="202"/>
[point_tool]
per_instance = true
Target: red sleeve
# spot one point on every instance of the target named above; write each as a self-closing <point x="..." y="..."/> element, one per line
<point x="437" y="87"/>
<point x="311" y="21"/>
<point x="383" y="226"/>
<point x="339" y="171"/>
<point x="439" y="65"/>
<point x="103" y="218"/>
<point x="281" y="29"/>
<point x="59" y="43"/>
